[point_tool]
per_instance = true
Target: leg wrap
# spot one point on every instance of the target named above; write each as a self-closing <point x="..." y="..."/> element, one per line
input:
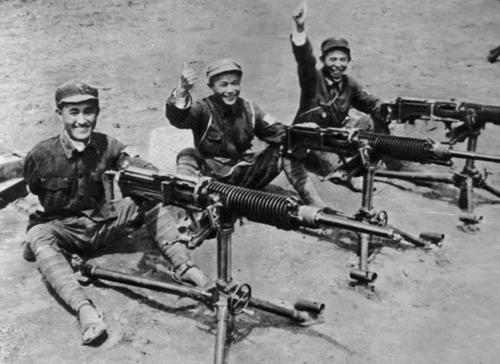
<point x="177" y="253"/>
<point x="189" y="162"/>
<point x="301" y="182"/>
<point x="55" y="268"/>
<point x="162" y="224"/>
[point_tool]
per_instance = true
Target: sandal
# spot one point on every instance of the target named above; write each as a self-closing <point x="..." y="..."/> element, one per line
<point x="92" y="326"/>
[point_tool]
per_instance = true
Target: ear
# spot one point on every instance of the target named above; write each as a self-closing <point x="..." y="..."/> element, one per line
<point x="98" y="111"/>
<point x="58" y="112"/>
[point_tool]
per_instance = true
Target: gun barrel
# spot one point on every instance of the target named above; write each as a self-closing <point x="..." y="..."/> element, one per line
<point x="484" y="113"/>
<point x="263" y="207"/>
<point x="403" y="148"/>
<point x="310" y="216"/>
<point x="474" y="156"/>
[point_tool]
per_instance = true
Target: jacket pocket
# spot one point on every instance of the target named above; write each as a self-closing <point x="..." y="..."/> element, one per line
<point x="54" y="193"/>
<point x="54" y="183"/>
<point x="212" y="142"/>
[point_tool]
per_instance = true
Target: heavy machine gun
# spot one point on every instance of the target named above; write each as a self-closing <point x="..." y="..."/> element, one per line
<point x="220" y="205"/>
<point x="471" y="119"/>
<point x="364" y="148"/>
<point x="475" y="116"/>
<point x="368" y="146"/>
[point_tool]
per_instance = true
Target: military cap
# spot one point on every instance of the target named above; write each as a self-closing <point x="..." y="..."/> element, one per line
<point x="75" y="91"/>
<point x="335" y="43"/>
<point x="223" y="65"/>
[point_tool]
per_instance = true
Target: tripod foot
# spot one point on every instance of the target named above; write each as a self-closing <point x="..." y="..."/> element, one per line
<point x="470" y="223"/>
<point x="432" y="237"/>
<point x="310" y="311"/>
<point x="363" y="276"/>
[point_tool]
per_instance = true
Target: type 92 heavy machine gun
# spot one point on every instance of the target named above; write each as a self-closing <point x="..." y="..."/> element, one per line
<point x="220" y="204"/>
<point x="367" y="146"/>
<point x="471" y="119"/>
<point x="364" y="149"/>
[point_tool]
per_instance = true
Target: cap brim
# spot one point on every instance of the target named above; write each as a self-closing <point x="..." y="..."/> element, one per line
<point x="76" y="99"/>
<point x="224" y="69"/>
<point x="332" y="48"/>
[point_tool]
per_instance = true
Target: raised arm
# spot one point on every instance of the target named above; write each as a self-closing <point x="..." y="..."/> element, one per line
<point x="303" y="51"/>
<point x="178" y="108"/>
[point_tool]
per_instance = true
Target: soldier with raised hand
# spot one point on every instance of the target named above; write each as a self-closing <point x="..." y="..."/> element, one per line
<point x="66" y="173"/>
<point x="328" y="92"/>
<point x="224" y="127"/>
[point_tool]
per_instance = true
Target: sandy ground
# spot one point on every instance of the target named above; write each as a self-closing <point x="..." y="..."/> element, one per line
<point x="436" y="306"/>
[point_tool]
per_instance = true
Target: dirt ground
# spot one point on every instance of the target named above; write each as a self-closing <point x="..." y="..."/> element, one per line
<point x="435" y="306"/>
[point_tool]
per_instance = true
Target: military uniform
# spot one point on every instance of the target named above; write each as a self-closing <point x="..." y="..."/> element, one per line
<point x="326" y="102"/>
<point x="76" y="218"/>
<point x="225" y="139"/>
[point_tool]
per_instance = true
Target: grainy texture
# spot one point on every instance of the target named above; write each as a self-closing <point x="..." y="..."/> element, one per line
<point x="440" y="306"/>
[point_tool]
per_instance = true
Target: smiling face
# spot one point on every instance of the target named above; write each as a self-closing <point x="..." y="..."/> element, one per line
<point x="227" y="86"/>
<point x="336" y="62"/>
<point x="79" y="119"/>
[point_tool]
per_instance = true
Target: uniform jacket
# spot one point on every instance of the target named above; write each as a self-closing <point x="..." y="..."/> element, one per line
<point x="317" y="89"/>
<point x="226" y="134"/>
<point x="68" y="182"/>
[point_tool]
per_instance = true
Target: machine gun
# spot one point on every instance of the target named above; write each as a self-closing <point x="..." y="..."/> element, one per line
<point x="475" y="116"/>
<point x="368" y="145"/>
<point x="472" y="119"/>
<point x="222" y="204"/>
<point x="364" y="147"/>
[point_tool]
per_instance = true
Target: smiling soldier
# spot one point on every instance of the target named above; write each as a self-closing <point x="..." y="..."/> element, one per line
<point x="224" y="127"/>
<point x="66" y="173"/>
<point x="327" y="95"/>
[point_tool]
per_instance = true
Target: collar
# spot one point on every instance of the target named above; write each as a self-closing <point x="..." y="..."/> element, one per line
<point x="71" y="146"/>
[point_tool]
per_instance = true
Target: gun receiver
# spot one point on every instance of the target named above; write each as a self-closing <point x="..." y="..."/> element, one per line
<point x="263" y="207"/>
<point x="410" y="109"/>
<point x="349" y="142"/>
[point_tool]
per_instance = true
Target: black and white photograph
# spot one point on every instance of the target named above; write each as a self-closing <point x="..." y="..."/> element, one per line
<point x="229" y="181"/>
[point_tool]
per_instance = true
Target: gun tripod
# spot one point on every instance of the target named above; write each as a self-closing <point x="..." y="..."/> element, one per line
<point x="366" y="213"/>
<point x="226" y="297"/>
<point x="466" y="180"/>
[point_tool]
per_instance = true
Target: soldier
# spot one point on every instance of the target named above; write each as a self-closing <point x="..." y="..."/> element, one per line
<point x="328" y="93"/>
<point x="66" y="173"/>
<point x="224" y="126"/>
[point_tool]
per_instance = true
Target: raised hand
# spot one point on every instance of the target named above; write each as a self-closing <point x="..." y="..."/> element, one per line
<point x="299" y="16"/>
<point x="186" y="82"/>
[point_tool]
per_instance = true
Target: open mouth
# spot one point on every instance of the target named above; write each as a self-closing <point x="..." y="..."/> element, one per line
<point x="230" y="99"/>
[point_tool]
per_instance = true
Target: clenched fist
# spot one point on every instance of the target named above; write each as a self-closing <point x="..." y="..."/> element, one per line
<point x="300" y="15"/>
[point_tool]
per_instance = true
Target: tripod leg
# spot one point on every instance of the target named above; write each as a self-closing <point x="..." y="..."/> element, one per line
<point x="221" y="336"/>
<point x="466" y="202"/>
<point x="491" y="189"/>
<point x="465" y="199"/>
<point x="362" y="274"/>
